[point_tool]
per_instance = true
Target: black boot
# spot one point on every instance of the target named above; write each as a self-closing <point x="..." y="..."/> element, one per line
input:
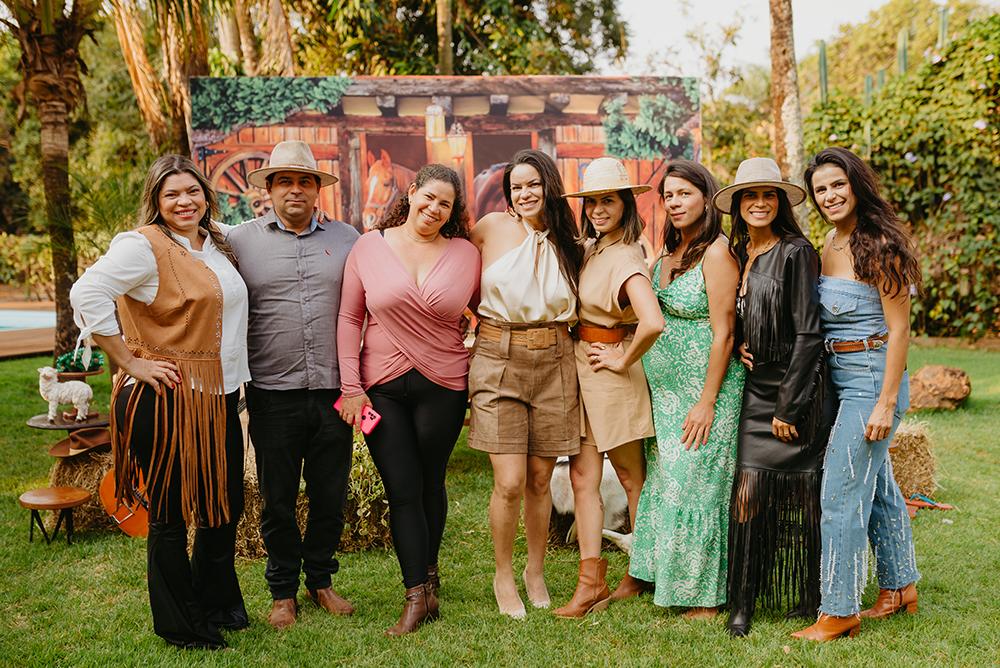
<point x="739" y="622"/>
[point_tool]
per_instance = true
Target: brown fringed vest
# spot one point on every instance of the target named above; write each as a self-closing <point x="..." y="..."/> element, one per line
<point x="183" y="324"/>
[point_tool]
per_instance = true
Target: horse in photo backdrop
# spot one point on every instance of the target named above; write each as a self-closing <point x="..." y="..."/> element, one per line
<point x="386" y="183"/>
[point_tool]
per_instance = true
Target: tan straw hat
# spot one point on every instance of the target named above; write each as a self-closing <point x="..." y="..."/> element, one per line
<point x="754" y="172"/>
<point x="290" y="156"/>
<point x="605" y="175"/>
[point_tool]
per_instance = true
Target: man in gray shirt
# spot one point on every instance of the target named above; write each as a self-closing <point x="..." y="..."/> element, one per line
<point x="293" y="265"/>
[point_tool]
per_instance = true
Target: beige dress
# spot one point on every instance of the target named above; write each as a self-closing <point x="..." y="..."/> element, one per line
<point x="616" y="406"/>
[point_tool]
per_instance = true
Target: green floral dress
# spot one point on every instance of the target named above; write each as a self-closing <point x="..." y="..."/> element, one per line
<point x="682" y="523"/>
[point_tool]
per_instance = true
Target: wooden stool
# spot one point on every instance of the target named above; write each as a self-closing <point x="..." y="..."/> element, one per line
<point x="63" y="499"/>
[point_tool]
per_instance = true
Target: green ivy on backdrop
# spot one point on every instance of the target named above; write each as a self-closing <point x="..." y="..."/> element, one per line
<point x="935" y="142"/>
<point x="226" y="103"/>
<point x="654" y="133"/>
<point x="234" y="214"/>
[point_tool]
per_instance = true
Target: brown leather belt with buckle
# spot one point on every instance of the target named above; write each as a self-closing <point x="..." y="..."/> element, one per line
<point x="872" y="343"/>
<point x="595" y="334"/>
<point x="532" y="338"/>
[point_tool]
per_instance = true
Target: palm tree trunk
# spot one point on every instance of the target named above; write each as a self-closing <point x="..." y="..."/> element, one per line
<point x="145" y="84"/>
<point x="444" y="29"/>
<point x="248" y="42"/>
<point x="184" y="45"/>
<point x="229" y="34"/>
<point x="276" y="57"/>
<point x="785" y="109"/>
<point x="54" y="118"/>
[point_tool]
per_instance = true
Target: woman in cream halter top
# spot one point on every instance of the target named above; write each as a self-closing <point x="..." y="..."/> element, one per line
<point x="522" y="376"/>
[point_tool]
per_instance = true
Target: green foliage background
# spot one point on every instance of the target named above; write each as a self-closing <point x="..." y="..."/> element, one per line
<point x="935" y="142"/>
<point x="232" y="102"/>
<point x="654" y="132"/>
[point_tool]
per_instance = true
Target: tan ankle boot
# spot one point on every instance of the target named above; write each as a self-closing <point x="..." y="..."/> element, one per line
<point x="891" y="601"/>
<point x="592" y="593"/>
<point x="414" y="612"/>
<point x="828" y="627"/>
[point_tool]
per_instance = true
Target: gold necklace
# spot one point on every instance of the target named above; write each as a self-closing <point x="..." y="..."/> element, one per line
<point x="418" y="239"/>
<point x="841" y="247"/>
<point x="753" y="253"/>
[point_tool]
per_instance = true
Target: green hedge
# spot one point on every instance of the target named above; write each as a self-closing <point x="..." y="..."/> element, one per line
<point x="934" y="138"/>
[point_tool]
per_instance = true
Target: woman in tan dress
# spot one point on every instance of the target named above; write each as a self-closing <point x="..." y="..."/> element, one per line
<point x="619" y="320"/>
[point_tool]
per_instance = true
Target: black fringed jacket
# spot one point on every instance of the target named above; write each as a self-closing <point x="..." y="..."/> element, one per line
<point x="782" y="303"/>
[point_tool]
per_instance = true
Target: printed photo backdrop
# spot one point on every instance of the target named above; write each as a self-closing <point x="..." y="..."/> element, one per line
<point x="374" y="133"/>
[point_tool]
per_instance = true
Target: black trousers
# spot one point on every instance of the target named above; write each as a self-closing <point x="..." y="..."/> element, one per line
<point x="410" y="447"/>
<point x="297" y="433"/>
<point x="190" y="598"/>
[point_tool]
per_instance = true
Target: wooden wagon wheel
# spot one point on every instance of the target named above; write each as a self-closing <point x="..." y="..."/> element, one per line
<point x="229" y="178"/>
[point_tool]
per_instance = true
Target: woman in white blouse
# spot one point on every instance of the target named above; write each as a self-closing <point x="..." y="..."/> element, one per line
<point x="181" y="349"/>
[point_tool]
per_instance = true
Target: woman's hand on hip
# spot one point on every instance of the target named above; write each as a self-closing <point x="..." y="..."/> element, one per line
<point x="783" y="431"/>
<point x="153" y="372"/>
<point x="605" y="356"/>
<point x="697" y="425"/>
<point x="351" y="407"/>
<point x="745" y="357"/>
<point x="880" y="422"/>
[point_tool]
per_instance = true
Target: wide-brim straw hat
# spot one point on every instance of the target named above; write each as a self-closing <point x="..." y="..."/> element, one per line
<point x="606" y="175"/>
<point x="80" y="441"/>
<point x="290" y="156"/>
<point x="755" y="172"/>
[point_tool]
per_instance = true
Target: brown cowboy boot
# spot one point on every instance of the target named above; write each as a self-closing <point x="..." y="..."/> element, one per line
<point x="331" y="601"/>
<point x="891" y="601"/>
<point x="434" y="578"/>
<point x="283" y="612"/>
<point x="629" y="587"/>
<point x="414" y="612"/>
<point x="828" y="627"/>
<point x="592" y="593"/>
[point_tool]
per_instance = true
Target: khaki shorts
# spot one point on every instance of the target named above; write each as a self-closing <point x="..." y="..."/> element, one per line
<point x="524" y="401"/>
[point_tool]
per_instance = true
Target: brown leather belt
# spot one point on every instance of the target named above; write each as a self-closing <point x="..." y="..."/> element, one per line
<point x="595" y="334"/>
<point x="532" y="338"/>
<point x="872" y="343"/>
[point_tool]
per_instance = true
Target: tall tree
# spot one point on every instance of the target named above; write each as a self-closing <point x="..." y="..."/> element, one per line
<point x="149" y="95"/>
<point x="49" y="33"/>
<point x="184" y="46"/>
<point x="276" y="55"/>
<point x="785" y="110"/>
<point x="489" y="36"/>
<point x="446" y="60"/>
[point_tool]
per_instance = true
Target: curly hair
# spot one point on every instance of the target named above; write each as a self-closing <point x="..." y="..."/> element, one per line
<point x="149" y="209"/>
<point x="556" y="212"/>
<point x="883" y="251"/>
<point x="457" y="224"/>
<point x="710" y="225"/>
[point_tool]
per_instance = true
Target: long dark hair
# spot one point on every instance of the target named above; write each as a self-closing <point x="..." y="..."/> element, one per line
<point x="149" y="210"/>
<point x="556" y="212"/>
<point x="631" y="222"/>
<point x="711" y="220"/>
<point x="458" y="222"/>
<point x="784" y="225"/>
<point x="884" y="255"/>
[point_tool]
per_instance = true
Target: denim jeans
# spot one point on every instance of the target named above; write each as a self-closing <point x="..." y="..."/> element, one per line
<point x="860" y="499"/>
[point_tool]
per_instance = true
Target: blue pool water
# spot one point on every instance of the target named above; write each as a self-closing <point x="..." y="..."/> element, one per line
<point x="23" y="319"/>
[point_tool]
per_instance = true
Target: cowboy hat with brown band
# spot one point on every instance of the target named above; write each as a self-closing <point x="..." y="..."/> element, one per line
<point x="80" y="441"/>
<point x="753" y="173"/>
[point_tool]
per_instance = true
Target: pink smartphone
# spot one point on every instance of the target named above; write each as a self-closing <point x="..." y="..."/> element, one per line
<point x="369" y="418"/>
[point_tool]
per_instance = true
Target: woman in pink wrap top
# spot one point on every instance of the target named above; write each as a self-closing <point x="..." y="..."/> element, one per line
<point x="400" y="349"/>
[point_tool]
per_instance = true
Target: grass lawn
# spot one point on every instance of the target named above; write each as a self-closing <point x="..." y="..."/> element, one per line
<point x="86" y="605"/>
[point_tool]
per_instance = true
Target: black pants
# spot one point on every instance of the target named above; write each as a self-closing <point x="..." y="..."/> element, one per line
<point x="297" y="433"/>
<point x="410" y="447"/>
<point x="189" y="599"/>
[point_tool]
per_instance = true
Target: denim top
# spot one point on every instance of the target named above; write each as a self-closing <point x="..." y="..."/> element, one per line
<point x="851" y="310"/>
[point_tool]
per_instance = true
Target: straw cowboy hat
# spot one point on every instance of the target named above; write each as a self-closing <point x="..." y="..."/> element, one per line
<point x="605" y="175"/>
<point x="290" y="156"/>
<point x="80" y="441"/>
<point x="754" y="172"/>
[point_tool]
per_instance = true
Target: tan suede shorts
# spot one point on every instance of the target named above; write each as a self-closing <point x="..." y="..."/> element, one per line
<point x="524" y="393"/>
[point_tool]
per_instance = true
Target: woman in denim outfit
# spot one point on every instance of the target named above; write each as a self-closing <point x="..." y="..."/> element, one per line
<point x="868" y="270"/>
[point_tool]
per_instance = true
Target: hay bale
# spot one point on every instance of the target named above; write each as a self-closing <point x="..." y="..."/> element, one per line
<point x="366" y="512"/>
<point x="913" y="462"/>
<point x="85" y="471"/>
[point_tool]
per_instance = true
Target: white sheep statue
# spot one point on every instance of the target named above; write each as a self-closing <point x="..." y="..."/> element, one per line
<point x="74" y="392"/>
